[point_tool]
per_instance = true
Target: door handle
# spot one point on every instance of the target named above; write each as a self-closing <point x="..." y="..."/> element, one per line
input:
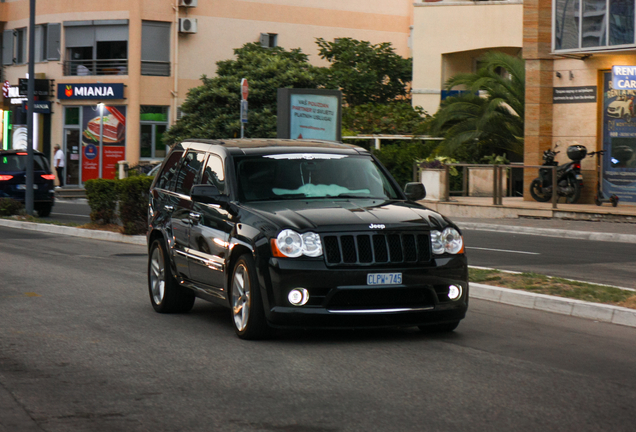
<point x="195" y="217"/>
<point x="168" y="208"/>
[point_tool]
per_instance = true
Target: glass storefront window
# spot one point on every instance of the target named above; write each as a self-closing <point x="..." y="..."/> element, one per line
<point x="593" y="24"/>
<point x="621" y="19"/>
<point x="154" y="123"/>
<point x="72" y="116"/>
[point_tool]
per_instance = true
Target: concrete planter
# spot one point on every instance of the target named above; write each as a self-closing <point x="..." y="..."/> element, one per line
<point x="480" y="182"/>
<point x="435" y="183"/>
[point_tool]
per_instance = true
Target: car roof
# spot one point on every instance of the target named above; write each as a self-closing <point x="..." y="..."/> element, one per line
<point x="260" y="146"/>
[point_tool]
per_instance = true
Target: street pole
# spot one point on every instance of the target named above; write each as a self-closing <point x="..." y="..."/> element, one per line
<point x="101" y="138"/>
<point x="28" y="198"/>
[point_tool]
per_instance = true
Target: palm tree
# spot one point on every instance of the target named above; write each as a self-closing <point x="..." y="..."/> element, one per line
<point x="488" y="117"/>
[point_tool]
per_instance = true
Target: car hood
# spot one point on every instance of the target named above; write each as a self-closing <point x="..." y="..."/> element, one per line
<point x="346" y="215"/>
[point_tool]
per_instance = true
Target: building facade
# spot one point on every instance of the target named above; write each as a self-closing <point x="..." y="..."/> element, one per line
<point x="580" y="89"/>
<point x="112" y="75"/>
<point x="450" y="36"/>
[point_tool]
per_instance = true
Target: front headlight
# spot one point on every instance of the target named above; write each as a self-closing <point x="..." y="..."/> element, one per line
<point x="449" y="241"/>
<point x="291" y="244"/>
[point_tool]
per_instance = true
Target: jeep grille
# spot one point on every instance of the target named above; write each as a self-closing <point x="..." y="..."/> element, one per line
<point x="370" y="249"/>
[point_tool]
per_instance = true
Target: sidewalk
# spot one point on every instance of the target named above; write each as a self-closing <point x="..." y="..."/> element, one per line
<point x="605" y="231"/>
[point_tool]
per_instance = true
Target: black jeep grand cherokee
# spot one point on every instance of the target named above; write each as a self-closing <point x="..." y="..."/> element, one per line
<point x="300" y="234"/>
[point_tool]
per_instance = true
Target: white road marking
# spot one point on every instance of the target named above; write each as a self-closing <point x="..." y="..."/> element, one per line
<point x="504" y="250"/>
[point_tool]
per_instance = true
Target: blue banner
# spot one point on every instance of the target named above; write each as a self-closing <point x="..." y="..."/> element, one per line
<point x="624" y="77"/>
<point x="90" y="91"/>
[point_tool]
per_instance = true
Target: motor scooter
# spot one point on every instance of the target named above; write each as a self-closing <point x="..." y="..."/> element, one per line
<point x="569" y="177"/>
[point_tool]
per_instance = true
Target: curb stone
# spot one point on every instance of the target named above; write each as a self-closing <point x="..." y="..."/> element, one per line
<point x="576" y="308"/>
<point x="75" y="232"/>
<point x="564" y="306"/>
<point x="550" y="232"/>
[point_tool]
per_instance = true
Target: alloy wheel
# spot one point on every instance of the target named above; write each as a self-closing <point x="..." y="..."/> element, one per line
<point x="157" y="276"/>
<point x="240" y="297"/>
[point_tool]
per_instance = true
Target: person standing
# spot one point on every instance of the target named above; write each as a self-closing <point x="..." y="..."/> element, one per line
<point x="58" y="163"/>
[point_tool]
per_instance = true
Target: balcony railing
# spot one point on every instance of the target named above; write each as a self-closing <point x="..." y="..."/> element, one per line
<point x="155" y="68"/>
<point x="96" y="67"/>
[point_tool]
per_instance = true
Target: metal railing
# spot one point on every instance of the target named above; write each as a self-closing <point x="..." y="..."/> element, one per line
<point x="498" y="170"/>
<point x="96" y="67"/>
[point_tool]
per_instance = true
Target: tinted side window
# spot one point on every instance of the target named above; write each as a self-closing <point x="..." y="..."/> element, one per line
<point x="213" y="173"/>
<point x="169" y="171"/>
<point x="189" y="172"/>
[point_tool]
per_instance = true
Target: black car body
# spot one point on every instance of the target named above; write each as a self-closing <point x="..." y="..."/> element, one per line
<point x="13" y="179"/>
<point x="299" y="234"/>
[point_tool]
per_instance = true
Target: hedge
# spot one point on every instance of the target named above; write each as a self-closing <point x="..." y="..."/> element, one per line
<point x="10" y="207"/>
<point x="132" y="196"/>
<point x="102" y="198"/>
<point x="133" y="203"/>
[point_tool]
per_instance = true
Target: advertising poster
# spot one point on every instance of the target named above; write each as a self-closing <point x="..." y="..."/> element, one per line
<point x="313" y="117"/>
<point x="619" y="141"/>
<point x="114" y="139"/>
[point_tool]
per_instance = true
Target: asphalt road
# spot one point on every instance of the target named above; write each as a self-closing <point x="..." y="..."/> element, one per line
<point x="592" y="261"/>
<point x="70" y="211"/>
<point x="81" y="349"/>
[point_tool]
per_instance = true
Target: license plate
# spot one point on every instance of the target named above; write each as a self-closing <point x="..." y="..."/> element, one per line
<point x="384" y="278"/>
<point x="23" y="187"/>
<point x="579" y="177"/>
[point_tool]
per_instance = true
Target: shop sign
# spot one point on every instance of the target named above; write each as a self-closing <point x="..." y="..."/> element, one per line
<point x="14" y="96"/>
<point x="624" y="77"/>
<point x="41" y="87"/>
<point x="90" y="91"/>
<point x="619" y="141"/>
<point x="567" y="95"/>
<point x="41" y="107"/>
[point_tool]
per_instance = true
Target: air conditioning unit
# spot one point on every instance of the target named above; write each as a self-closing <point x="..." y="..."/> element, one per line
<point x="187" y="25"/>
<point x="188" y="3"/>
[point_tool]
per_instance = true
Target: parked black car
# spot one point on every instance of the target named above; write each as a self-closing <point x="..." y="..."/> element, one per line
<point x="13" y="179"/>
<point x="300" y="234"/>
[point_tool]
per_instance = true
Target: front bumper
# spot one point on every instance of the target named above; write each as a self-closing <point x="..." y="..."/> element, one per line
<point x="341" y="298"/>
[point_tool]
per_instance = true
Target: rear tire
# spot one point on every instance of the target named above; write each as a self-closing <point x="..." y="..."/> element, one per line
<point x="439" y="328"/>
<point x="166" y="296"/>
<point x="537" y="192"/>
<point x="574" y="198"/>
<point x="44" y="209"/>
<point x="248" y="313"/>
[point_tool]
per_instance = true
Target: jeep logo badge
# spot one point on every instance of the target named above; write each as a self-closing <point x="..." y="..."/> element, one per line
<point x="377" y="226"/>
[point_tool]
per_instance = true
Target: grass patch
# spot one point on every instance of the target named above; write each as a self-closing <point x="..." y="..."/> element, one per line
<point x="555" y="286"/>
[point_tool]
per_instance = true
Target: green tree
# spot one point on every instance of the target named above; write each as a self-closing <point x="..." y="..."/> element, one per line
<point x="396" y="118"/>
<point x="365" y="73"/>
<point x="488" y="117"/>
<point x="211" y="110"/>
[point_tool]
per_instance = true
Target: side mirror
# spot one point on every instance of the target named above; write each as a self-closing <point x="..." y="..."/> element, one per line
<point x="415" y="191"/>
<point x="208" y="194"/>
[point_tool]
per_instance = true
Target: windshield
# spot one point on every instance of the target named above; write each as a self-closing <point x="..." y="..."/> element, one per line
<point x="300" y="176"/>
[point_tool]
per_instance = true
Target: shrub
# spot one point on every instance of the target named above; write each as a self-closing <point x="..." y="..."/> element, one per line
<point x="102" y="198"/>
<point x="399" y="157"/>
<point x="133" y="205"/>
<point x="10" y="207"/>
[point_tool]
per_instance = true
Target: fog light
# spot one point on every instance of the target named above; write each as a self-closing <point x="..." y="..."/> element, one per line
<point x="454" y="292"/>
<point x="298" y="296"/>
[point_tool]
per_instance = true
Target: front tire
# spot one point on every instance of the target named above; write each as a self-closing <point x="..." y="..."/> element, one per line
<point x="166" y="296"/>
<point x="537" y="192"/>
<point x="248" y="314"/>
